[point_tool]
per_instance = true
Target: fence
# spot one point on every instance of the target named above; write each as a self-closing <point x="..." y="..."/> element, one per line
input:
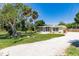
<point x="73" y="30"/>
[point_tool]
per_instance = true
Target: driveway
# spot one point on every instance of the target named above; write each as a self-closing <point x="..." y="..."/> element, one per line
<point x="52" y="47"/>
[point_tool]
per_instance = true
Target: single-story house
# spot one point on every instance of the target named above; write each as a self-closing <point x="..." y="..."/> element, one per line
<point x="59" y="29"/>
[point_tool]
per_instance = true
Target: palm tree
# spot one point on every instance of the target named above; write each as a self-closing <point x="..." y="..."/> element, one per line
<point x="28" y="12"/>
<point x="34" y="16"/>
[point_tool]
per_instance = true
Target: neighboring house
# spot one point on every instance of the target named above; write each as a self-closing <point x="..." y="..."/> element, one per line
<point x="60" y="29"/>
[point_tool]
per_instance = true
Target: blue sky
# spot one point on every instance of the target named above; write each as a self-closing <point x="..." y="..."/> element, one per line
<point x="53" y="13"/>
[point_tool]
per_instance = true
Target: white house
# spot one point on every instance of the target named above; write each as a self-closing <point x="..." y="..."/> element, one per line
<point x="60" y="29"/>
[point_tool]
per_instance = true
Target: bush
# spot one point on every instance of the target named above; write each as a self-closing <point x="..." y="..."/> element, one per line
<point x="30" y="33"/>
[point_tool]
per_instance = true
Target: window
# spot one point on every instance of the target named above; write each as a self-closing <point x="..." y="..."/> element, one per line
<point x="55" y="29"/>
<point x="47" y="28"/>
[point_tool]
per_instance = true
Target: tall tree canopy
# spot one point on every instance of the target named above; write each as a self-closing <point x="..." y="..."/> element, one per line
<point x="8" y="16"/>
<point x="77" y="18"/>
<point x="12" y="15"/>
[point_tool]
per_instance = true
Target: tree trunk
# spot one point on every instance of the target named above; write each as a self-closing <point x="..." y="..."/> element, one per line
<point x="76" y="26"/>
<point x="34" y="26"/>
<point x="12" y="30"/>
<point x="23" y="25"/>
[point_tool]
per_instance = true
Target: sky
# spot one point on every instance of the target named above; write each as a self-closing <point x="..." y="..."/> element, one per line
<point x="53" y="13"/>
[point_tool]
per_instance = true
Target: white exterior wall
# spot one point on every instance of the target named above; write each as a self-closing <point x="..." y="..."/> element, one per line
<point x="60" y="31"/>
<point x="52" y="32"/>
<point x="44" y="32"/>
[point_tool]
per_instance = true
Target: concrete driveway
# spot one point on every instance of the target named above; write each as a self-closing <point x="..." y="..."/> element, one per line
<point x="52" y="47"/>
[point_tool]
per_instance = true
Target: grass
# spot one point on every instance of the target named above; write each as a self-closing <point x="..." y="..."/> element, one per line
<point x="72" y="51"/>
<point x="6" y="41"/>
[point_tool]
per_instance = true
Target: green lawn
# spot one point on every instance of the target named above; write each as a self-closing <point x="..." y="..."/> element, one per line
<point x="72" y="51"/>
<point x="5" y="41"/>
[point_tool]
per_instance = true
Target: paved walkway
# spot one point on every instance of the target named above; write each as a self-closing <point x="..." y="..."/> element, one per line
<point x="52" y="47"/>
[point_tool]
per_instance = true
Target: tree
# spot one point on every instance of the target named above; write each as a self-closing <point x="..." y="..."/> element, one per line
<point x="14" y="15"/>
<point x="8" y="17"/>
<point x="25" y="16"/>
<point x="71" y="25"/>
<point x="61" y="23"/>
<point x="39" y="23"/>
<point x="20" y="18"/>
<point x="30" y="16"/>
<point x="76" y="19"/>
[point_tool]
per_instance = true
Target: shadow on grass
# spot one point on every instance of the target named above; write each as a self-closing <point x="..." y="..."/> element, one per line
<point x="4" y="36"/>
<point x="75" y="43"/>
<point x="7" y="36"/>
